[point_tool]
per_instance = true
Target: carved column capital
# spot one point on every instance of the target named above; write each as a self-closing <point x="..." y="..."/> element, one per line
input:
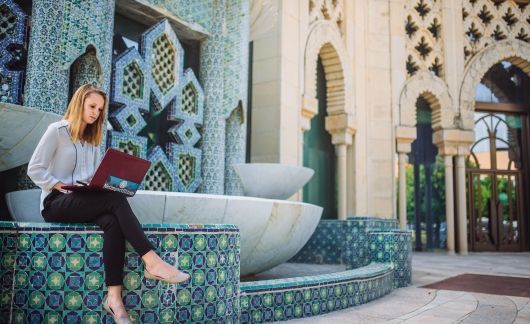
<point x="453" y="141"/>
<point x="309" y="110"/>
<point x="341" y="127"/>
<point x="405" y="135"/>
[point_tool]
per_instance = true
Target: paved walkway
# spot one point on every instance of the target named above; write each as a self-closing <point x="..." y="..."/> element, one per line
<point x="419" y="305"/>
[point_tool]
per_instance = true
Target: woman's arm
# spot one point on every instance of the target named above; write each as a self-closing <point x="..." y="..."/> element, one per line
<point x="41" y="159"/>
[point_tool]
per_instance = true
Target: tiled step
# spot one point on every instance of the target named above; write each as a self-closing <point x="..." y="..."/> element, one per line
<point x="291" y="298"/>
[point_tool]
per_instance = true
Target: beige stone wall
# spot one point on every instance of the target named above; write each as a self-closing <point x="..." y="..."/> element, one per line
<point x="374" y="96"/>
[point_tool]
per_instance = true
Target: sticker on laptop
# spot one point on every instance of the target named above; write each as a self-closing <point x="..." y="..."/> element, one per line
<point x="120" y="185"/>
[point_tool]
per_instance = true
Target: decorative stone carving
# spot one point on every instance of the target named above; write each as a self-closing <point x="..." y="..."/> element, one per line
<point x="515" y="51"/>
<point x="435" y="91"/>
<point x="341" y="127"/>
<point x="487" y="22"/>
<point x="325" y="41"/>
<point x="330" y="10"/>
<point x="424" y="44"/>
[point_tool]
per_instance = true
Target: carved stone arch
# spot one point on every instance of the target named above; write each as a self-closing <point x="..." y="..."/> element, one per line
<point x="515" y="51"/>
<point x="434" y="90"/>
<point x="324" y="40"/>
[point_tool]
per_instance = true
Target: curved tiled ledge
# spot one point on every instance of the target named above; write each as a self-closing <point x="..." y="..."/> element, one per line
<point x="54" y="273"/>
<point x="394" y="246"/>
<point x="285" y="299"/>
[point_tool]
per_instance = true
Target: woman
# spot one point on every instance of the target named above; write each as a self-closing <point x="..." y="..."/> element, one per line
<point x="69" y="152"/>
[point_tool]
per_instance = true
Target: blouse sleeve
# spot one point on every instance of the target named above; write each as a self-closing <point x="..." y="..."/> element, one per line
<point x="41" y="159"/>
<point x="97" y="157"/>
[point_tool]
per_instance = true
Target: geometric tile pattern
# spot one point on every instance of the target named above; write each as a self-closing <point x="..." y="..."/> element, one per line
<point x="188" y="165"/>
<point x="135" y="145"/>
<point x="235" y="150"/>
<point x="211" y="76"/>
<point x="199" y="12"/>
<point x="324" y="246"/>
<point x="394" y="247"/>
<point x="235" y="91"/>
<point x="486" y="22"/>
<point x="357" y="250"/>
<point x="150" y="80"/>
<point x="424" y="44"/>
<point x="161" y="176"/>
<point x="343" y="242"/>
<point x="86" y="70"/>
<point x="13" y="24"/>
<point x="285" y="299"/>
<point x="54" y="273"/>
<point x="59" y="35"/>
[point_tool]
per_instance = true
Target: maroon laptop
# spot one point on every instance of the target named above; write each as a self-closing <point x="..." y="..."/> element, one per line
<point x="117" y="171"/>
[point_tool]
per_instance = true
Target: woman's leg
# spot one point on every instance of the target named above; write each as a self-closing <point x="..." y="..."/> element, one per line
<point x="113" y="249"/>
<point x="87" y="206"/>
<point x="113" y="259"/>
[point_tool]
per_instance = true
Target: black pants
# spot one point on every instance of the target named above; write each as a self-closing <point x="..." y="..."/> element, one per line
<point x="109" y="210"/>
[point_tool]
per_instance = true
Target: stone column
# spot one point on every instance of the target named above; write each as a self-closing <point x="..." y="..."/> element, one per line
<point x="341" y="128"/>
<point x="405" y="135"/>
<point x="340" y="152"/>
<point x="402" y="190"/>
<point x="449" y="204"/>
<point x="214" y="128"/>
<point x="455" y="142"/>
<point x="461" y="203"/>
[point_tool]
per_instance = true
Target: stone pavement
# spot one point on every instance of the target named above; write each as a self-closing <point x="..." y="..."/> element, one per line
<point x="419" y="305"/>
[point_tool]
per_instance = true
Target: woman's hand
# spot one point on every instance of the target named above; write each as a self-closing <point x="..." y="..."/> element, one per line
<point x="59" y="186"/>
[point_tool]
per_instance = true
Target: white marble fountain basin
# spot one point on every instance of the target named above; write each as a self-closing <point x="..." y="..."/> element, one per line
<point x="272" y="231"/>
<point x="20" y="131"/>
<point x="272" y="180"/>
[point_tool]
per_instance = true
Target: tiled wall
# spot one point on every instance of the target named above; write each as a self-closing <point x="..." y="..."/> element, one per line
<point x="343" y="242"/>
<point x="57" y="61"/>
<point x="13" y="39"/>
<point x="276" y="300"/>
<point x="357" y="250"/>
<point x="324" y="246"/>
<point x="56" y="274"/>
<point x="394" y="247"/>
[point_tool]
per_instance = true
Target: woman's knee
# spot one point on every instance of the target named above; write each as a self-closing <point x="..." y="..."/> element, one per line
<point x="107" y="222"/>
<point x="114" y="198"/>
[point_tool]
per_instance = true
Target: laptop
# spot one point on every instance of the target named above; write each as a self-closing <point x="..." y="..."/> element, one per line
<point x="118" y="171"/>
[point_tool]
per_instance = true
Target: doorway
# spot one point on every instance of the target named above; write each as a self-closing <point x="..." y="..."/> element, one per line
<point x="498" y="166"/>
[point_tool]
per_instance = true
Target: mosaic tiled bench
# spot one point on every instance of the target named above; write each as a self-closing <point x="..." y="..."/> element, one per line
<point x="53" y="273"/>
<point x="285" y="299"/>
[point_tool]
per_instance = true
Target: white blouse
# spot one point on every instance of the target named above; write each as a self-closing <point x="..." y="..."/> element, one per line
<point x="58" y="159"/>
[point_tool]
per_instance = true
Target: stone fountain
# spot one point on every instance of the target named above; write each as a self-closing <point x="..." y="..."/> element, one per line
<point x="272" y="230"/>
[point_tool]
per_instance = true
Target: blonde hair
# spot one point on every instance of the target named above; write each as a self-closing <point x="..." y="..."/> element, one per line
<point x="93" y="133"/>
